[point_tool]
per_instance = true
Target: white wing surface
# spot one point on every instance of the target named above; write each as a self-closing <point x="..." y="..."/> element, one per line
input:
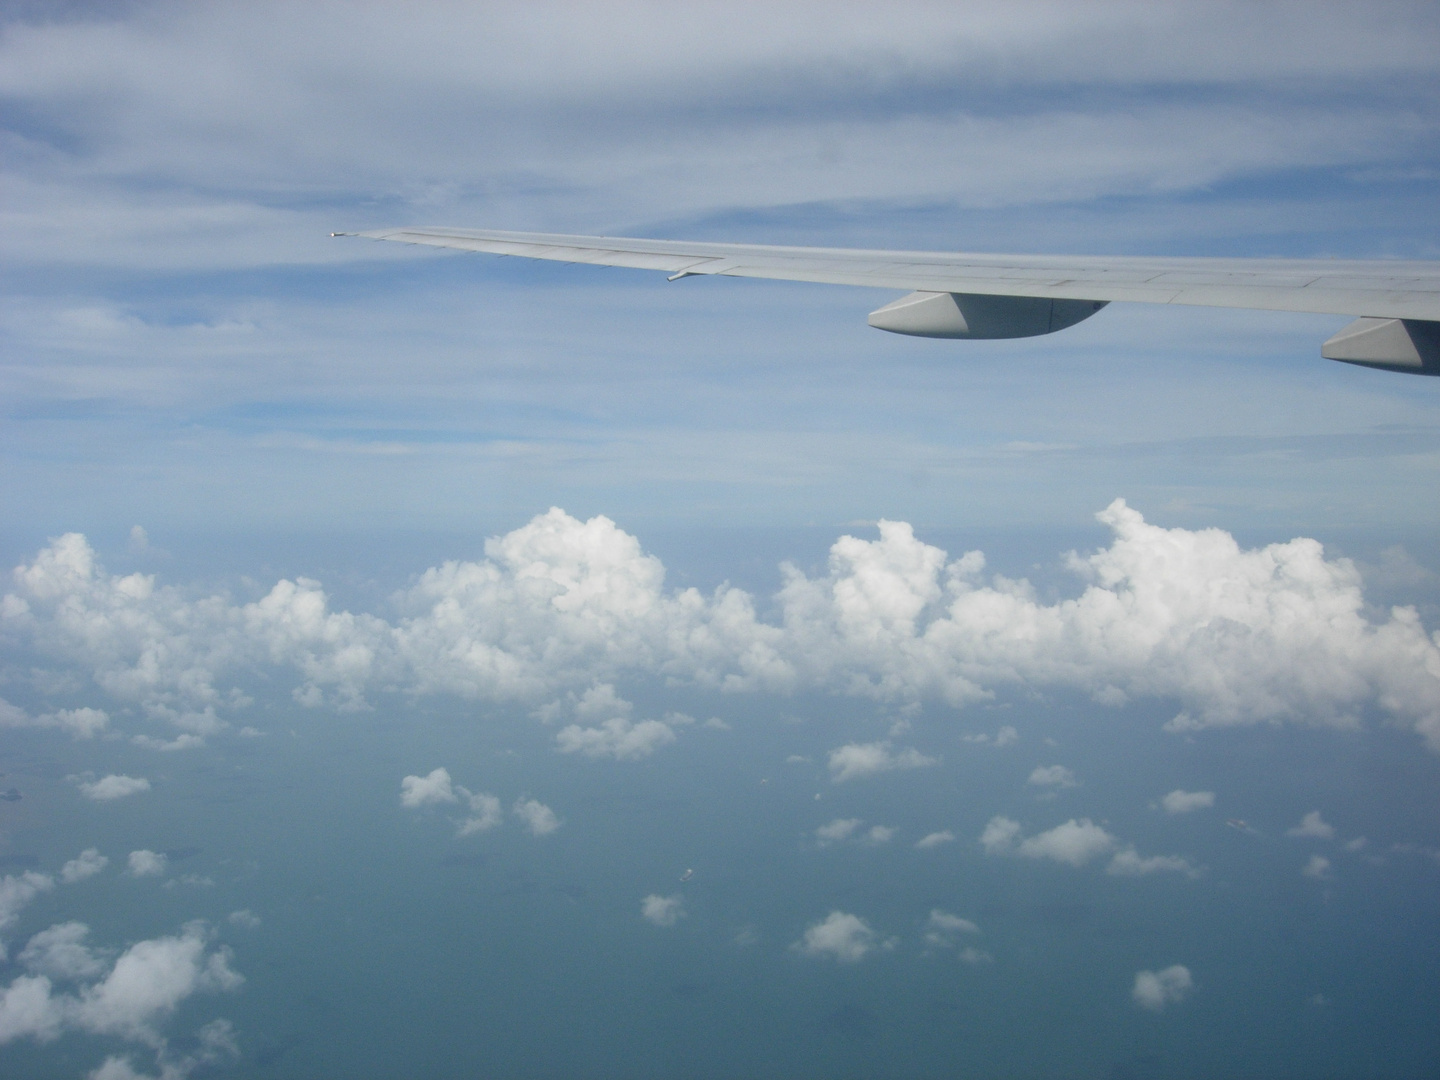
<point x="1033" y="294"/>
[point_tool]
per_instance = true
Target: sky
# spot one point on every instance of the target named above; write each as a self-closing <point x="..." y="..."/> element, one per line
<point x="427" y="664"/>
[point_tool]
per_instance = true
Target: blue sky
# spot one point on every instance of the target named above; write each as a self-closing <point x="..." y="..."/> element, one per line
<point x="297" y="658"/>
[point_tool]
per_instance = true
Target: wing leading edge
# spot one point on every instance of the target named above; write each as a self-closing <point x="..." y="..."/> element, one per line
<point x="1397" y="304"/>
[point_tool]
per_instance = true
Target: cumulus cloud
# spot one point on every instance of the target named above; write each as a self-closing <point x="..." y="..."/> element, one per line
<point x="942" y="929"/>
<point x="1231" y="635"/>
<point x="999" y="835"/>
<point x="1006" y="736"/>
<point x="935" y="839"/>
<point x="60" y="954"/>
<point x="1185" y="802"/>
<point x="1154" y="990"/>
<point x="244" y="918"/>
<point x="1052" y="776"/>
<point x="1313" y="825"/>
<point x="437" y="788"/>
<point x="840" y="936"/>
<point x="418" y="791"/>
<point x="16" y="891"/>
<point x="538" y="818"/>
<point x="856" y="760"/>
<point x="879" y="834"/>
<point x="485" y="813"/>
<point x="1129" y="863"/>
<point x="87" y="864"/>
<point x="144" y="863"/>
<point x="141" y="989"/>
<point x="616" y="738"/>
<point x="663" y="910"/>
<point x="84" y="723"/>
<point x="837" y="830"/>
<point x="1318" y="868"/>
<point x="113" y="787"/>
<point x="1076" y="843"/>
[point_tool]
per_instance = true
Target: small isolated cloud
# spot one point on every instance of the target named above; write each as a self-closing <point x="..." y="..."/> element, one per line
<point x="1000" y="833"/>
<point x="942" y="928"/>
<point x="145" y="863"/>
<point x="879" y="834"/>
<point x="87" y="864"/>
<point x="856" y="760"/>
<point x="538" y="818"/>
<point x="616" y="738"/>
<point x="114" y="787"/>
<point x="840" y="936"/>
<point x="485" y="813"/>
<point x="1154" y="990"/>
<point x="1313" y="825"/>
<point x="663" y="910"/>
<point x="1052" y="776"/>
<point x="935" y="839"/>
<point x="1186" y="802"/>
<point x="244" y="918"/>
<point x="417" y="791"/>
<point x="1318" y="868"/>
<point x="1074" y="843"/>
<point x="837" y="830"/>
<point x="183" y="741"/>
<point x="1130" y="863"/>
<point x="972" y="955"/>
<point x="1006" y="736"/>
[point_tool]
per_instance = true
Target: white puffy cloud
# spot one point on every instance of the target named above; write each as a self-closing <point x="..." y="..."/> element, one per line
<point x="244" y="918"/>
<point x="87" y="864"/>
<point x="1006" y="736"/>
<point x="1127" y="862"/>
<point x="142" y="987"/>
<point x="840" y="936"/>
<point x="145" y="863"/>
<point x="972" y="955"/>
<point x="437" y="788"/>
<point x="935" y="839"/>
<point x="616" y="738"/>
<point x="60" y="954"/>
<point x="538" y="818"/>
<point x="1232" y="636"/>
<point x="663" y="910"/>
<point x="879" y="834"/>
<point x="113" y="787"/>
<point x="1313" y="825"/>
<point x="999" y="834"/>
<point x="485" y="813"/>
<point x="16" y="891"/>
<point x="856" y="760"/>
<point x="1056" y="776"/>
<point x="83" y="723"/>
<point x="942" y="927"/>
<point x="837" y="830"/>
<point x="1074" y="843"/>
<point x="417" y="791"/>
<point x="1185" y="802"/>
<point x="1154" y="990"/>
<point x="1318" y="868"/>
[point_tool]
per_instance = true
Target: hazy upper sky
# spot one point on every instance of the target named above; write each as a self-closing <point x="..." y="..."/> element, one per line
<point x="821" y="728"/>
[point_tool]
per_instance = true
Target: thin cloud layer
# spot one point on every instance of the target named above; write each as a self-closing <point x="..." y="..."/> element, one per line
<point x="1231" y="636"/>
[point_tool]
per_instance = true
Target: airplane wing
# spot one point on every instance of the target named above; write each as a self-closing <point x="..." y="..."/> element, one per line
<point x="998" y="296"/>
